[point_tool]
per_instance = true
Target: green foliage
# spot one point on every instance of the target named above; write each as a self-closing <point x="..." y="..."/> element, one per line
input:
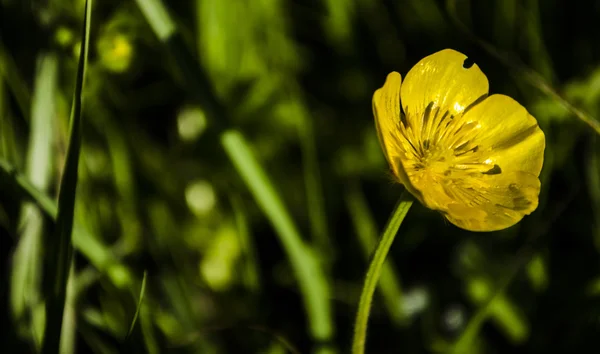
<point x="58" y="249"/>
<point x="230" y="186"/>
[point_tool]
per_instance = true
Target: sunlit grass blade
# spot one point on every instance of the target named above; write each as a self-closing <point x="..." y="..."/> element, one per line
<point x="311" y="280"/>
<point x="374" y="271"/>
<point x="366" y="230"/>
<point x="58" y="249"/>
<point x="27" y="266"/>
<point x="308" y="271"/>
<point x="69" y="325"/>
<point x="520" y="69"/>
<point x="95" y="251"/>
<point x="18" y="184"/>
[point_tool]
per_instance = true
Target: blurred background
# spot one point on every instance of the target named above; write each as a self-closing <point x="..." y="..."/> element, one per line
<point x="163" y="214"/>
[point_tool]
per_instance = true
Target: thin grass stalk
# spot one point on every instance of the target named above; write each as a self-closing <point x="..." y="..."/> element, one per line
<point x="59" y="249"/>
<point x="374" y="271"/>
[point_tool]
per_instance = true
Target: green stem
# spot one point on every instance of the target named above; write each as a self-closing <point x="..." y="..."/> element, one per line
<point x="367" y="233"/>
<point x="372" y="278"/>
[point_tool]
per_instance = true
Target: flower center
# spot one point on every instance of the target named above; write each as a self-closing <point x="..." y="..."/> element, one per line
<point x="441" y="145"/>
<point x="437" y="161"/>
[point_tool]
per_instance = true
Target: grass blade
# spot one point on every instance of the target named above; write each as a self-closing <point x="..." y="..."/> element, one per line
<point x="26" y="267"/>
<point x="139" y="306"/>
<point x="99" y="255"/>
<point x="364" y="224"/>
<point x="69" y="325"/>
<point x="374" y="271"/>
<point x="311" y="280"/>
<point x="59" y="249"/>
<point x="9" y="173"/>
<point x="141" y="313"/>
<point x="309" y="272"/>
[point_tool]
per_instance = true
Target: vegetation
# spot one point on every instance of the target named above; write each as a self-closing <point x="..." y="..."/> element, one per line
<point x="205" y="176"/>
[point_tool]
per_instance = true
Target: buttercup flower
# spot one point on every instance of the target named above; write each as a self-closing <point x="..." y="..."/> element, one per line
<point x="475" y="158"/>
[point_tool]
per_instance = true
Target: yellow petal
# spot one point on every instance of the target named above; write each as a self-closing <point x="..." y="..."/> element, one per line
<point x="442" y="81"/>
<point x="386" y="109"/>
<point x="508" y="137"/>
<point x="491" y="202"/>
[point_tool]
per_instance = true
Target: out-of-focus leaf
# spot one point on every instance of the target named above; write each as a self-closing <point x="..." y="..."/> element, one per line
<point x="27" y="261"/>
<point x="311" y="278"/>
<point x="250" y="264"/>
<point x="538" y="273"/>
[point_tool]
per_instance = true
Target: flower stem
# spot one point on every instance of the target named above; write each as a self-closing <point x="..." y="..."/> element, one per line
<point x="372" y="278"/>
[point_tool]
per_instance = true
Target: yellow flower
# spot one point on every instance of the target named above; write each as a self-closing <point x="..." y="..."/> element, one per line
<point x="473" y="157"/>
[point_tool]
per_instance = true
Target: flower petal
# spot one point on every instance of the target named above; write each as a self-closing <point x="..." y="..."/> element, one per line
<point x="508" y="137"/>
<point x="492" y="203"/>
<point x="386" y="109"/>
<point x="443" y="80"/>
<point x="387" y="112"/>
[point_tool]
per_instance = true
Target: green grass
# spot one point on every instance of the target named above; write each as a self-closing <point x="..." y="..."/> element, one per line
<point x="307" y="268"/>
<point x="28" y="262"/>
<point x="221" y="189"/>
<point x="59" y="248"/>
